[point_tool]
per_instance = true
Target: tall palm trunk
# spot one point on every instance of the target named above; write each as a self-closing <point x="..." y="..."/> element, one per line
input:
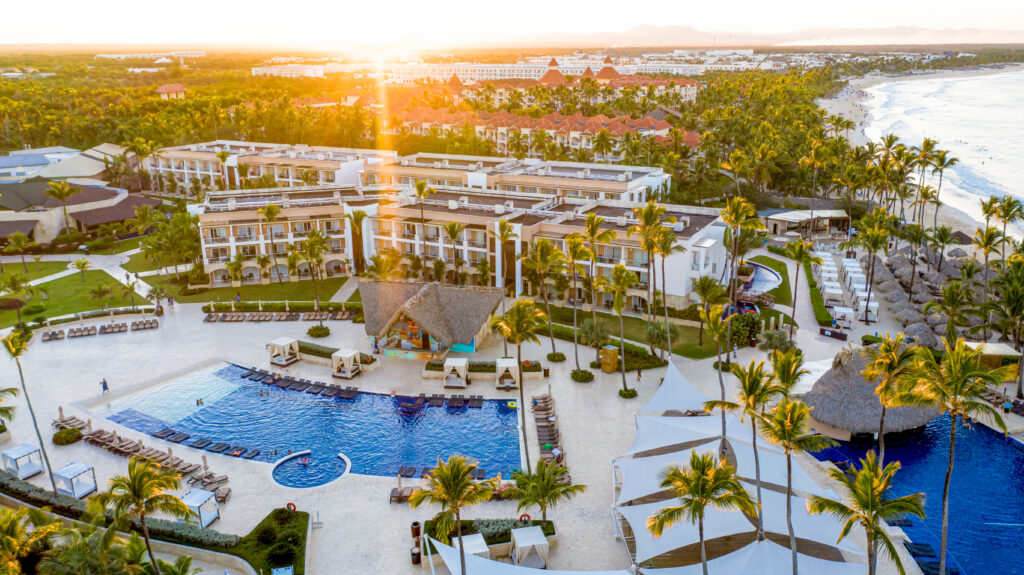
<point x="871" y="283"/>
<point x="575" y="334"/>
<point x="757" y="482"/>
<point x="703" y="552"/>
<point x="149" y="546"/>
<point x="789" y="508"/>
<point x="721" y="383"/>
<point x="796" y="287"/>
<point x="945" y="495"/>
<point x="593" y="289"/>
<point x="547" y="309"/>
<point x="664" y="303"/>
<point x="35" y="424"/>
<point x="872" y="556"/>
<point x="522" y="407"/>
<point x="622" y="350"/>
<point x="938" y="191"/>
<point x="881" y="437"/>
<point x="650" y="284"/>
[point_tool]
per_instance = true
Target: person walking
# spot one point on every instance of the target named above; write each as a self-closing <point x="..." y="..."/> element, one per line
<point x="105" y="386"/>
<point x="639" y="375"/>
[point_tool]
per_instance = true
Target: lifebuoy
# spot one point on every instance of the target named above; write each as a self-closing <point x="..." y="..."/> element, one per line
<point x="524" y="517"/>
<point x="290" y="507"/>
<point x="512" y="405"/>
<point x="393" y="393"/>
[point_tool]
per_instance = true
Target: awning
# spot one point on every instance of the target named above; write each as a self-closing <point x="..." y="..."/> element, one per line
<point x="480" y="566"/>
<point x="7" y="228"/>
<point x="764" y="558"/>
<point x="717" y="524"/>
<point x="475" y="544"/>
<point x="822" y="528"/>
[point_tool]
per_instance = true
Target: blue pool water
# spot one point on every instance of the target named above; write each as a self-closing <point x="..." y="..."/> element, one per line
<point x="765" y="279"/>
<point x="370" y="430"/>
<point x="986" y="500"/>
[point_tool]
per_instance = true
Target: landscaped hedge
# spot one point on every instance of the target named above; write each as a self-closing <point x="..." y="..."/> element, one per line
<point x="67" y="436"/>
<point x="483" y="366"/>
<point x="582" y="375"/>
<point x="318" y="331"/>
<point x="628" y="393"/>
<point x="278" y="541"/>
<point x="556" y="357"/>
<point x="636" y="356"/>
<point x="103" y="313"/>
<point x="495" y="531"/>
<point x="823" y="317"/>
<point x="278" y="306"/>
<point x="324" y="351"/>
<point x="776" y="250"/>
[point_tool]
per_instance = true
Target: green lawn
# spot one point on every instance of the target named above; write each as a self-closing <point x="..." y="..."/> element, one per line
<point x="35" y="270"/>
<point x="784" y="293"/>
<point x="138" y="263"/>
<point x="274" y="291"/>
<point x="636" y="330"/>
<point x="356" y="297"/>
<point x="70" y="294"/>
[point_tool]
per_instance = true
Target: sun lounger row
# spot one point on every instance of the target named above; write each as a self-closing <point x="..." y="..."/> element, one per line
<point x="209" y="479"/>
<point x="113" y="328"/>
<point x="52" y="335"/>
<point x="122" y="446"/>
<point x="315" y="316"/>
<point x="69" y="423"/>
<point x="549" y="438"/>
<point x="304" y="385"/>
<point x="82" y="331"/>
<point x="276" y="316"/>
<point x="145" y="324"/>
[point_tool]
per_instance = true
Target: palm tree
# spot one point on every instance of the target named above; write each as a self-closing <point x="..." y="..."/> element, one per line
<point x="142" y="149"/>
<point x="18" y="287"/>
<point x="576" y="252"/>
<point x="941" y="237"/>
<point x="889" y="362"/>
<point x="81" y="264"/>
<point x="602" y="144"/>
<point x="941" y="162"/>
<point x="1008" y="210"/>
<point x="756" y="391"/>
<point x="622" y="280"/>
<point x="141" y="493"/>
<point x="595" y="334"/>
<point x="543" y="488"/>
<point x="355" y="220"/>
<point x="594" y="235"/>
<point x="19" y="243"/>
<point x="452" y="486"/>
<point x="309" y="177"/>
<point x="62" y="192"/>
<point x="710" y="293"/>
<point x="23" y="531"/>
<point x="956" y="385"/>
<point x="786" y="426"/>
<point x="519" y="325"/>
<point x="717" y="326"/>
<point x="955" y="303"/>
<point x="787" y="369"/>
<point x="92" y="548"/>
<point x="650" y="221"/>
<point x="422" y="192"/>
<point x="866" y="489"/>
<point x="802" y="253"/>
<point x="874" y="239"/>
<point x="544" y="260"/>
<point x="915" y="236"/>
<point x="128" y="291"/>
<point x="262" y="262"/>
<point x="269" y="214"/>
<point x="156" y="294"/>
<point x="705" y="483"/>
<point x="665" y="246"/>
<point x="146" y="218"/>
<point x="313" y="250"/>
<point x="738" y="215"/>
<point x="454" y="232"/>
<point x="16" y="345"/>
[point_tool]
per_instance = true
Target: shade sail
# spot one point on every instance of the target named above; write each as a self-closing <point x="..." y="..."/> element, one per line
<point x="480" y="566"/>
<point x="675" y="393"/>
<point x="716" y="524"/>
<point x="641" y="476"/>
<point x="821" y="528"/>
<point x="773" y="469"/>
<point x="475" y="544"/>
<point x="765" y="558"/>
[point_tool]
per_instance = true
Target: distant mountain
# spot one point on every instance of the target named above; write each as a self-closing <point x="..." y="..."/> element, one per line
<point x="648" y="35"/>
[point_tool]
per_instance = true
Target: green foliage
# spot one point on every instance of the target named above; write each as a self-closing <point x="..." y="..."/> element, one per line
<point x="745" y="326"/>
<point x="628" y="393"/>
<point x="582" y="375"/>
<point x="776" y="250"/>
<point x="821" y="314"/>
<point x="776" y="339"/>
<point x="282" y="554"/>
<point x="483" y="366"/>
<point x="556" y="357"/>
<point x="34" y="308"/>
<point x="318" y="331"/>
<point x="289" y="539"/>
<point x="67" y="436"/>
<point x="870" y="339"/>
<point x="317" y="350"/>
<point x="266" y="533"/>
<point x="295" y="306"/>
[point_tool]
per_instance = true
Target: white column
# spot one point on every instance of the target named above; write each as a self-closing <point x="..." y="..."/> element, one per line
<point x="519" y="267"/>
<point x="498" y="260"/>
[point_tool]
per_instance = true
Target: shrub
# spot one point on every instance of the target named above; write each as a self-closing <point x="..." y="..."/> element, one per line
<point x="99" y="244"/>
<point x="281" y="515"/>
<point x="67" y="436"/>
<point x="556" y="357"/>
<point x="266" y="534"/>
<point x="582" y="376"/>
<point x="821" y="314"/>
<point x="192" y="290"/>
<point x="776" y="339"/>
<point x="776" y="250"/>
<point x="869" y="339"/>
<point x="628" y="393"/>
<point x="291" y="537"/>
<point x="744" y="270"/>
<point x="318" y="331"/>
<point x="745" y="326"/>
<point x="35" y="308"/>
<point x="282" y="554"/>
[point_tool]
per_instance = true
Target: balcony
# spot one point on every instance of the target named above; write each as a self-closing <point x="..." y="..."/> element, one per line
<point x="300" y="233"/>
<point x="607" y="260"/>
<point x="219" y="259"/>
<point x="218" y="240"/>
<point x="280" y="235"/>
<point x="407" y="236"/>
<point x="476" y="244"/>
<point x="247" y="238"/>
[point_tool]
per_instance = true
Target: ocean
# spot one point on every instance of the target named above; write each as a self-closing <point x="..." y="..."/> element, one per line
<point x="979" y="119"/>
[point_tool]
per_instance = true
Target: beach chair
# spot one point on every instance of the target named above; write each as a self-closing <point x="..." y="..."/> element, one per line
<point x="219" y="447"/>
<point x="222" y="494"/>
<point x="185" y="468"/>
<point x="406" y="493"/>
<point x="201" y="444"/>
<point x="200" y="477"/>
<point x="214" y="481"/>
<point x="237" y="451"/>
<point x="164" y="433"/>
<point x="252" y="454"/>
<point x="396" y="495"/>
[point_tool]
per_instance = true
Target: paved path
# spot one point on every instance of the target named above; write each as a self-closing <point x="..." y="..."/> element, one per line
<point x="346" y="290"/>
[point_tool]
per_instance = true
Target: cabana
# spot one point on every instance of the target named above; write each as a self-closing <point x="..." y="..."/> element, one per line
<point x="23" y="461"/>
<point x="843" y="316"/>
<point x="345" y="363"/>
<point x="833" y="296"/>
<point x="506" y="373"/>
<point x="456" y="372"/>
<point x="764" y="558"/>
<point x="203" y="504"/>
<point x="871" y="309"/>
<point x="475" y="544"/>
<point x="529" y="547"/>
<point x="993" y="354"/>
<point x="284" y="351"/>
<point x="75" y="479"/>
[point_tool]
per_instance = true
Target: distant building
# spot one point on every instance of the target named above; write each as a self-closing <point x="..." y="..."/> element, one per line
<point x="23" y="163"/>
<point x="290" y="71"/>
<point x="154" y="56"/>
<point x="83" y="167"/>
<point x="172" y="92"/>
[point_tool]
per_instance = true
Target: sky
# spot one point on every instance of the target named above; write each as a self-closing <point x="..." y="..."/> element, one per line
<point x="419" y="23"/>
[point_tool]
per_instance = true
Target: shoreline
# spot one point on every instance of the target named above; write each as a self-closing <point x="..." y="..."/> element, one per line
<point x="850" y="103"/>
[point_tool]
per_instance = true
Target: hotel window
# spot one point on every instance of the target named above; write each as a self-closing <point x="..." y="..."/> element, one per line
<point x="248" y="251"/>
<point x="245" y="232"/>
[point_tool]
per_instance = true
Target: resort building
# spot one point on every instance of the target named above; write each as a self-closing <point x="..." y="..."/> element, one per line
<point x="171" y="92"/>
<point x="529" y="176"/>
<point x="231" y="226"/>
<point x="25" y="208"/>
<point x="19" y="164"/>
<point x="287" y="165"/>
<point x="290" y="71"/>
<point x="85" y="168"/>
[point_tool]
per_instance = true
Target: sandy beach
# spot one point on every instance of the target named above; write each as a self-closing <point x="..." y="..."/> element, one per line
<point x="850" y="104"/>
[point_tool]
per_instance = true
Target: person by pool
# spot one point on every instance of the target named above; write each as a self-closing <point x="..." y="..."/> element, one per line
<point x="304" y="461"/>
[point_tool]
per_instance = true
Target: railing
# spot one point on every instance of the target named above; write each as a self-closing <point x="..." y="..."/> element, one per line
<point x="223" y="240"/>
<point x="475" y="244"/>
<point x="407" y="236"/>
<point x="280" y="235"/>
<point x="247" y="238"/>
<point x="219" y="259"/>
<point x="607" y="260"/>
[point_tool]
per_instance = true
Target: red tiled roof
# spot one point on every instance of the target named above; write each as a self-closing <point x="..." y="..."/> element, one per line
<point x="588" y="73"/>
<point x="171" y="89"/>
<point x="553" y="63"/>
<point x="608" y="73"/>
<point x="552" y="78"/>
<point x="607" y="60"/>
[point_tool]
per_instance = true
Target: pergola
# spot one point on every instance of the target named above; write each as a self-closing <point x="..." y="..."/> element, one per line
<point x="75" y="479"/>
<point x="23" y="461"/>
<point x="345" y="363"/>
<point x="456" y="372"/>
<point x="506" y="373"/>
<point x="284" y="351"/>
<point x="204" y="504"/>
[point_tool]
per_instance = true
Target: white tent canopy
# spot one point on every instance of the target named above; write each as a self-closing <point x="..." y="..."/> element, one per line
<point x="529" y="547"/>
<point x="773" y="469"/>
<point x="75" y="479"/>
<point x="716" y="524"/>
<point x="505" y="368"/>
<point x="345" y="363"/>
<point x="480" y="566"/>
<point x="204" y="504"/>
<point x="641" y="476"/>
<point x="654" y="432"/>
<point x="456" y="371"/>
<point x="821" y="528"/>
<point x="675" y="393"/>
<point x="764" y="558"/>
<point x="284" y="351"/>
<point x="475" y="544"/>
<point x="815" y="370"/>
<point x="23" y="461"/>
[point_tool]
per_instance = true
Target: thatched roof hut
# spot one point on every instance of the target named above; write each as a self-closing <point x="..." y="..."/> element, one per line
<point x="841" y="398"/>
<point x="451" y="314"/>
<point x="898" y="261"/>
<point x="922" y="334"/>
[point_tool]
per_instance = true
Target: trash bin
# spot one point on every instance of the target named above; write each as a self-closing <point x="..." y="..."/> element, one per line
<point x="415" y="529"/>
<point x="547" y="372"/>
<point x="416" y="555"/>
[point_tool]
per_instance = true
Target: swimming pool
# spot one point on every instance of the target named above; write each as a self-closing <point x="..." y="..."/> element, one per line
<point x="986" y="500"/>
<point x="765" y="279"/>
<point x="370" y="430"/>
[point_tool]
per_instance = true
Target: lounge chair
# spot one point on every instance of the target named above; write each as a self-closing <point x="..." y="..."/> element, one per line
<point x="210" y="318"/>
<point x="214" y="481"/>
<point x="237" y="451"/>
<point x="200" y="477"/>
<point x="407" y="471"/>
<point x="396" y="495"/>
<point x="315" y="389"/>
<point x="201" y="444"/>
<point x="178" y="437"/>
<point x="331" y="391"/>
<point x="222" y="494"/>
<point x="426" y="471"/>
<point x="186" y="468"/>
<point x="220" y="447"/>
<point x="164" y="433"/>
<point x="172" y="462"/>
<point x="406" y="493"/>
<point x="920" y="549"/>
<point x="252" y="454"/>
